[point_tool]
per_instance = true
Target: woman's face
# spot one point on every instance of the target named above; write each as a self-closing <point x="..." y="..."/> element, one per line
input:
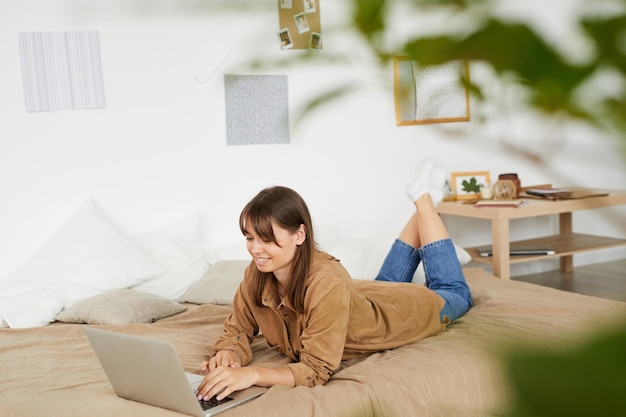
<point x="270" y="257"/>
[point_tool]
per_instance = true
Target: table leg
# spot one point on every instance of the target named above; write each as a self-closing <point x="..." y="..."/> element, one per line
<point x="501" y="248"/>
<point x="565" y="227"/>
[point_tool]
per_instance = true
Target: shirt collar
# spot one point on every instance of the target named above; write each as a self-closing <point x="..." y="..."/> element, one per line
<point x="270" y="299"/>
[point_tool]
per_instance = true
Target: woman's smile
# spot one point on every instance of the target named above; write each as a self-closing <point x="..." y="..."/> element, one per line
<point x="260" y="262"/>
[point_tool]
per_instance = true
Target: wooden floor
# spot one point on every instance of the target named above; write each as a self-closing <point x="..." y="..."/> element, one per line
<point x="605" y="280"/>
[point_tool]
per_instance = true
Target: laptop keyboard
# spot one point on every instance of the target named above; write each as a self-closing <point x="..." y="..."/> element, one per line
<point x="212" y="402"/>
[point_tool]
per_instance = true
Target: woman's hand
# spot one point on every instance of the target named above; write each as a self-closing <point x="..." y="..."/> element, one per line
<point x="222" y="381"/>
<point x="226" y="358"/>
<point x="226" y="375"/>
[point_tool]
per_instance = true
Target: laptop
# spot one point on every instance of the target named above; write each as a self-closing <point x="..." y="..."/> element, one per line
<point x="518" y="250"/>
<point x="148" y="371"/>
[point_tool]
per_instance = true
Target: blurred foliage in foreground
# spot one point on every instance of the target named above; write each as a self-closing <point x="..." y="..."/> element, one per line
<point x="554" y="83"/>
<point x="585" y="381"/>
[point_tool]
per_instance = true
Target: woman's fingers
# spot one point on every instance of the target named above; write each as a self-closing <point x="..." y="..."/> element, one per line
<point x="216" y="380"/>
<point x="222" y="381"/>
<point x="225" y="358"/>
<point x="212" y="384"/>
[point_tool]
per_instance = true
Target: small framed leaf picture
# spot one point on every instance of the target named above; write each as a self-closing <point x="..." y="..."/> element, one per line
<point x="466" y="185"/>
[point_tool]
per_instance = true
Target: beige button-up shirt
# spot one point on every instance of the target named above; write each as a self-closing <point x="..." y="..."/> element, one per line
<point x="344" y="318"/>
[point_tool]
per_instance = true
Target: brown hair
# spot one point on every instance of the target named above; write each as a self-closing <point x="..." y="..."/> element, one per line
<point x="288" y="209"/>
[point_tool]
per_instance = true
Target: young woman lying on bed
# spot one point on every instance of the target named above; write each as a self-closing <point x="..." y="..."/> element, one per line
<point x="306" y="305"/>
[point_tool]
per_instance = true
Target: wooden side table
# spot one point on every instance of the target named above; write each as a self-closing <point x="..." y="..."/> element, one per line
<point x="566" y="243"/>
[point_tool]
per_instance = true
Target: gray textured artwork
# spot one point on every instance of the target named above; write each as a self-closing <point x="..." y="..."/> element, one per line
<point x="257" y="109"/>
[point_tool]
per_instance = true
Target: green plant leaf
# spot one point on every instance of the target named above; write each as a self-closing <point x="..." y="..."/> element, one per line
<point x="471" y="186"/>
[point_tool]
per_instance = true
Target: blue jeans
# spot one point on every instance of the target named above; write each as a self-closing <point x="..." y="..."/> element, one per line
<point x="441" y="267"/>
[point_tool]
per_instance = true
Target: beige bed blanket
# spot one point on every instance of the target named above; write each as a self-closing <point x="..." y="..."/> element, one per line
<point x="52" y="371"/>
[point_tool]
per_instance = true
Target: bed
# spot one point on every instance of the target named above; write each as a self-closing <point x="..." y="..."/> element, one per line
<point x="50" y="369"/>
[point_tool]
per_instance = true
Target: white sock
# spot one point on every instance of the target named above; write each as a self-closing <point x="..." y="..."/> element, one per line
<point x="421" y="183"/>
<point x="430" y="178"/>
<point x="438" y="178"/>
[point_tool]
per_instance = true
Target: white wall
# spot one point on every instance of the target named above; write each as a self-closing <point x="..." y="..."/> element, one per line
<point x="158" y="150"/>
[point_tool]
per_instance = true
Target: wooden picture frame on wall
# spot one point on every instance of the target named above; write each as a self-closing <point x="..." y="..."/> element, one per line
<point x="466" y="184"/>
<point x="434" y="94"/>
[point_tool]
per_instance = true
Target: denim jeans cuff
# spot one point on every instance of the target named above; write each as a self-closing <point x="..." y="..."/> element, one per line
<point x="400" y="263"/>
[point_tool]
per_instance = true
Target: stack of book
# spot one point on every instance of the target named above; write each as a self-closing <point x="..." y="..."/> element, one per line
<point x="569" y="193"/>
<point x="518" y="250"/>
<point x="500" y="203"/>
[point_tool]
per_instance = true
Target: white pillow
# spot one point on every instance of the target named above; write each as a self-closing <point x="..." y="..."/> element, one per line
<point x="327" y="236"/>
<point x="86" y="257"/>
<point x="23" y="306"/>
<point x="219" y="283"/>
<point x="173" y="284"/>
<point x="363" y="257"/>
<point x="179" y="249"/>
<point x="235" y="251"/>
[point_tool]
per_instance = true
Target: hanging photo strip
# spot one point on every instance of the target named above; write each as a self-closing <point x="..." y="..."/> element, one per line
<point x="299" y="24"/>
